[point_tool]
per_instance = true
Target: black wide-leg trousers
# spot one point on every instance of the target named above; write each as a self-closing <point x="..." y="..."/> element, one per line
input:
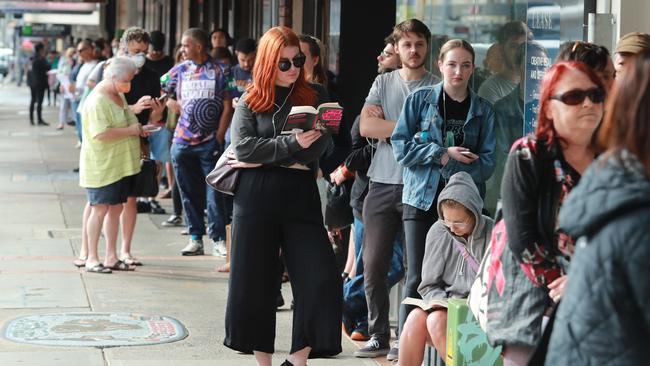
<point x="280" y="208"/>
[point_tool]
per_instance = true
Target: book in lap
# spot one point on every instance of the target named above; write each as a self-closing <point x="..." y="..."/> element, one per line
<point x="425" y="305"/>
<point x="326" y="117"/>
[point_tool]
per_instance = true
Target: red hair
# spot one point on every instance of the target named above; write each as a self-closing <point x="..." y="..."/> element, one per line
<point x="261" y="93"/>
<point x="545" y="129"/>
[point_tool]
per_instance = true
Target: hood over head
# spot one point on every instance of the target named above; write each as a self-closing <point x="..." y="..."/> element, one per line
<point x="462" y="189"/>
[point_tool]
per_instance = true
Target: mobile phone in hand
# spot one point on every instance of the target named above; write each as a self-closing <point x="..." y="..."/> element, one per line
<point x="163" y="97"/>
<point x="152" y="128"/>
<point x="469" y="154"/>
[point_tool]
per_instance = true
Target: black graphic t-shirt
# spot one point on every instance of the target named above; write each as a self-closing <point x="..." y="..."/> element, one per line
<point x="455" y="115"/>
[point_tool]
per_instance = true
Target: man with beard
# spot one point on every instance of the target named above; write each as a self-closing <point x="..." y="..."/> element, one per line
<point x="388" y="60"/>
<point x="497" y="86"/>
<point x="382" y="209"/>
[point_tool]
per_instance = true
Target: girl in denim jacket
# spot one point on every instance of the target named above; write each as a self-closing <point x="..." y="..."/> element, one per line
<point x="443" y="129"/>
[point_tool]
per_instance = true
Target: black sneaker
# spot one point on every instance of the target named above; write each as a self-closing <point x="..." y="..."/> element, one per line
<point x="156" y="208"/>
<point x="373" y="348"/>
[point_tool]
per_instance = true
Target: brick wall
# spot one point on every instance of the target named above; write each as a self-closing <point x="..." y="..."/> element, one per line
<point x="285" y="13"/>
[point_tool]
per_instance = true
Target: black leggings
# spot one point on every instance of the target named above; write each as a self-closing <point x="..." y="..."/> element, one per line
<point x="280" y="208"/>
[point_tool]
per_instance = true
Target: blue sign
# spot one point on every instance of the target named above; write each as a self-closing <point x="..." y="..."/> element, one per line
<point x="543" y="20"/>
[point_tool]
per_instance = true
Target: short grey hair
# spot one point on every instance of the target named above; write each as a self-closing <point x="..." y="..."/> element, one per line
<point x="133" y="34"/>
<point x="119" y="68"/>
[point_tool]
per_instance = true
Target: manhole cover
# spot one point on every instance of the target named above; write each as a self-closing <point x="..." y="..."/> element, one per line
<point x="95" y="330"/>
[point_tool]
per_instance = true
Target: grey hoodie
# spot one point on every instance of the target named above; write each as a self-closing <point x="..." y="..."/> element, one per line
<point x="445" y="273"/>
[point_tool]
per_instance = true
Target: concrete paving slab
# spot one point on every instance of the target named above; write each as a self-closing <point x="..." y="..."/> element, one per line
<point x="86" y="357"/>
<point x="36" y="290"/>
<point x="40" y="245"/>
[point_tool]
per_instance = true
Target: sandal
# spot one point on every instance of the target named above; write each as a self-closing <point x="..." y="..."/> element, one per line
<point x="121" y="266"/>
<point x="98" y="268"/>
<point x="131" y="261"/>
<point x="79" y="262"/>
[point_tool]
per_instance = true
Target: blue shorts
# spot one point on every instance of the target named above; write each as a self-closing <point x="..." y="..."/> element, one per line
<point x="112" y="194"/>
<point x="159" y="143"/>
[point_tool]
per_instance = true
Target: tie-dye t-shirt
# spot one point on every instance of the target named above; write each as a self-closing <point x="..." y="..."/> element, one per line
<point x="200" y="90"/>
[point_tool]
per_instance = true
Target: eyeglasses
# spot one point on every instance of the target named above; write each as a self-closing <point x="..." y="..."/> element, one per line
<point x="385" y="54"/>
<point x="82" y="49"/>
<point x="459" y="224"/>
<point x="577" y="96"/>
<point x="285" y="64"/>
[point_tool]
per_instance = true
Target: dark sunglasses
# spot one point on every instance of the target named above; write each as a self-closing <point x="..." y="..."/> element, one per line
<point x="285" y="64"/>
<point x="577" y="96"/>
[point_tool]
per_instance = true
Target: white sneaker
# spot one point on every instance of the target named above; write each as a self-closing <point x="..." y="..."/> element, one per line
<point x="194" y="247"/>
<point x="219" y="248"/>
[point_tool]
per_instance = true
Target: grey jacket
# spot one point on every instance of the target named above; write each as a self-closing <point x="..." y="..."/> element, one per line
<point x="257" y="138"/>
<point x="445" y="273"/>
<point x="604" y="315"/>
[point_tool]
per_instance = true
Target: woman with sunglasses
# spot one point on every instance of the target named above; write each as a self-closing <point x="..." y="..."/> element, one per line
<point x="540" y="172"/>
<point x="277" y="205"/>
<point x="610" y="276"/>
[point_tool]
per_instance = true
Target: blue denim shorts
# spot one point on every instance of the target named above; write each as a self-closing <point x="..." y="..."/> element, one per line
<point x="112" y="194"/>
<point x="159" y="144"/>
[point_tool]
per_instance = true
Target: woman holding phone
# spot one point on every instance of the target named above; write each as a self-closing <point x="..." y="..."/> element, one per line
<point x="443" y="129"/>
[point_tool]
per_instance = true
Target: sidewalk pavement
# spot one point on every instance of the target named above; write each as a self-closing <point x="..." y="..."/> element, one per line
<point x="40" y="236"/>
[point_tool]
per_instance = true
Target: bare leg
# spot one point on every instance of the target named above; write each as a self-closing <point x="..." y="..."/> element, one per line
<point x="262" y="358"/>
<point x="299" y="358"/>
<point x="94" y="228"/>
<point x="127" y="219"/>
<point x="516" y="355"/>
<point x="413" y="338"/>
<point x="350" y="261"/>
<point x="83" y="253"/>
<point x="111" y="226"/>
<point x="437" y="327"/>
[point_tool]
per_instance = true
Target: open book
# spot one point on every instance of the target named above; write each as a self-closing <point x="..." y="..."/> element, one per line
<point x="327" y="117"/>
<point x="425" y="305"/>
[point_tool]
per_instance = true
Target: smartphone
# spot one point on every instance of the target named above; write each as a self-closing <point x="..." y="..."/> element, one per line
<point x="152" y="128"/>
<point x="468" y="154"/>
<point x="163" y="97"/>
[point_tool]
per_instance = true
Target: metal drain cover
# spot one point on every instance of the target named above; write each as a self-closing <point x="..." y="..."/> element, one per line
<point x="94" y="330"/>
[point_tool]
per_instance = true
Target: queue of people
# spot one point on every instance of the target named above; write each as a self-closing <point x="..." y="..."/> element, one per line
<point x="438" y="164"/>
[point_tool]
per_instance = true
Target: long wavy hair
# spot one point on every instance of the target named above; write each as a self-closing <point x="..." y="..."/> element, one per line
<point x="627" y="114"/>
<point x="545" y="128"/>
<point x="261" y="93"/>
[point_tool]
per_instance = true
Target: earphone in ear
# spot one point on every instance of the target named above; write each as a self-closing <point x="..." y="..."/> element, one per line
<point x="279" y="109"/>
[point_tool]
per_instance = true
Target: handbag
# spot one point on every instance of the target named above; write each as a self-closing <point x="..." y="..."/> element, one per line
<point x="488" y="272"/>
<point x="223" y="177"/>
<point x="146" y="182"/>
<point x="338" y="213"/>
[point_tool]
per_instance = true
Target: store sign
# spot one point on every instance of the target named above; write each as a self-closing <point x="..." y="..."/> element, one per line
<point x="543" y="20"/>
<point x="45" y="30"/>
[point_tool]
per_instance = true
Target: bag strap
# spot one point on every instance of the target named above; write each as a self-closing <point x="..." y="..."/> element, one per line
<point x="469" y="258"/>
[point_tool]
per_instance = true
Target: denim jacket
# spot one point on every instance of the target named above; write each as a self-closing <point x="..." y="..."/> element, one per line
<point x="421" y="161"/>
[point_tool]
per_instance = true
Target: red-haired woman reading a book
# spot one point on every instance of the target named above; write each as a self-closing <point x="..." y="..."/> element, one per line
<point x="277" y="205"/>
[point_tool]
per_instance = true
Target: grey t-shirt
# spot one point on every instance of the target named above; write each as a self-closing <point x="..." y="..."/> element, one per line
<point x="390" y="91"/>
<point x="495" y="88"/>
